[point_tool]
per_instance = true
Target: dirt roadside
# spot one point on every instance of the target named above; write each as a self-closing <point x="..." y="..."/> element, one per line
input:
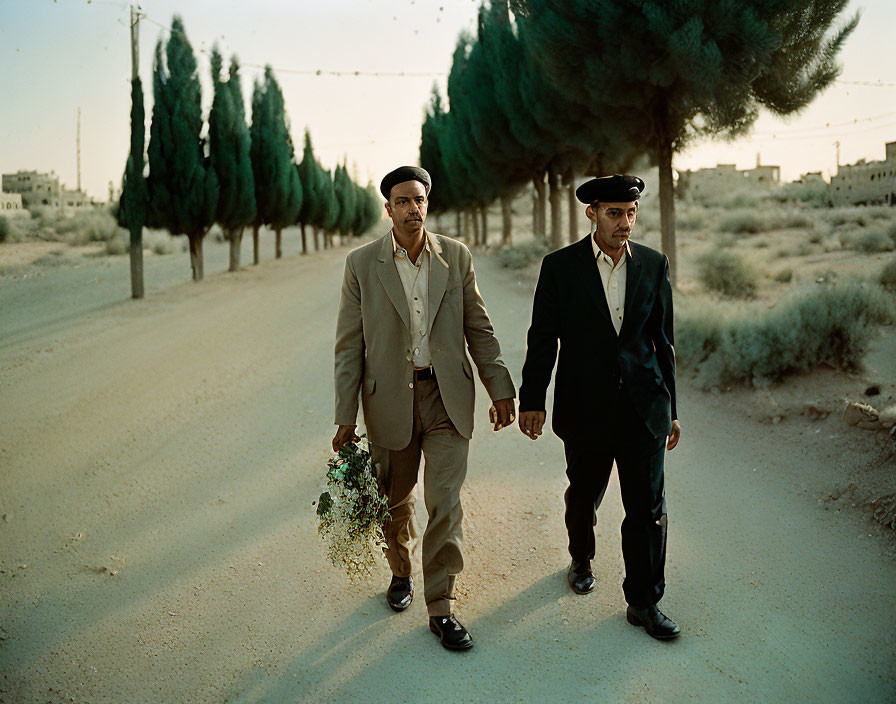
<point x="158" y="460"/>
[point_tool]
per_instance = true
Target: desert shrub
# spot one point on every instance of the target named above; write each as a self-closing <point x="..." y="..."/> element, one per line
<point x="872" y="241"/>
<point x="727" y="273"/>
<point x="815" y="195"/>
<point x="888" y="275"/>
<point x="743" y="223"/>
<point x="5" y="229"/>
<point x="795" y="221"/>
<point x="690" y="219"/>
<point x="849" y="216"/>
<point x="825" y="325"/>
<point x="891" y="231"/>
<point x="522" y="255"/>
<point x="118" y="244"/>
<point x="784" y="276"/>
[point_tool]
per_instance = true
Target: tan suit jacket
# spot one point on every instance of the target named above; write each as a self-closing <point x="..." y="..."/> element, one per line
<point x="373" y="352"/>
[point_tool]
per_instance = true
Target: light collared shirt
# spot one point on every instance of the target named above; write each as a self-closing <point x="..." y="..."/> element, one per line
<point x="612" y="277"/>
<point x="415" y="281"/>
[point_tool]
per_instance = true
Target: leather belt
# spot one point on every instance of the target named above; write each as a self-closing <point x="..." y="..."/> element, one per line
<point x="424" y="374"/>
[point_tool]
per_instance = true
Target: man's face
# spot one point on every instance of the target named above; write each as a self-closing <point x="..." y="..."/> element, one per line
<point x="615" y="222"/>
<point x="407" y="206"/>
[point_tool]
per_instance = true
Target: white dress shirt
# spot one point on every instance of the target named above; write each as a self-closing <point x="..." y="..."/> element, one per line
<point x="613" y="278"/>
<point x="415" y="281"/>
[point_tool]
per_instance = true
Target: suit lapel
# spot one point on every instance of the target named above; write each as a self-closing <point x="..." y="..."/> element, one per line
<point x="388" y="276"/>
<point x="593" y="282"/>
<point x="438" y="281"/>
<point x="632" y="279"/>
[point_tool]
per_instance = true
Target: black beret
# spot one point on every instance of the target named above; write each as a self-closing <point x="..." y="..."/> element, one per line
<point x="611" y="189"/>
<point x="402" y="174"/>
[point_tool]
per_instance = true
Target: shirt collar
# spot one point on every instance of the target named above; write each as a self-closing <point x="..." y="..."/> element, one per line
<point x="598" y="253"/>
<point x="430" y="243"/>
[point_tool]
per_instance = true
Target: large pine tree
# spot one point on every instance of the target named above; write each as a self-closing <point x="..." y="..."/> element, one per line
<point x="183" y="186"/>
<point x="229" y="146"/>
<point x="676" y="71"/>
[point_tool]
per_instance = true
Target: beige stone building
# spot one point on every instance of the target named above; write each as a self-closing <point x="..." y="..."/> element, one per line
<point x="724" y="179"/>
<point x="39" y="190"/>
<point x="867" y="182"/>
<point x="11" y="204"/>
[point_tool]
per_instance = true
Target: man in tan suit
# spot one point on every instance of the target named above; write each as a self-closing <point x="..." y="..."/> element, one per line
<point x="409" y="310"/>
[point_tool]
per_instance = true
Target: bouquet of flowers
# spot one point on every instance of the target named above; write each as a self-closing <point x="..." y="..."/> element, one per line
<point x="351" y="512"/>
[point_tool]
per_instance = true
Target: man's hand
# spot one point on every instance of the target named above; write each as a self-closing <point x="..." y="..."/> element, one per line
<point x="502" y="413"/>
<point x="674" y="435"/>
<point x="532" y="423"/>
<point x="344" y="435"/>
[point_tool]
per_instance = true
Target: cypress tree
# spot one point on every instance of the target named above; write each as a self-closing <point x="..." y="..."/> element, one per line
<point x="329" y="220"/>
<point x="346" y="195"/>
<point x="134" y="197"/>
<point x="183" y="187"/>
<point x="229" y="147"/>
<point x="311" y="212"/>
<point x="676" y="71"/>
<point x="279" y="192"/>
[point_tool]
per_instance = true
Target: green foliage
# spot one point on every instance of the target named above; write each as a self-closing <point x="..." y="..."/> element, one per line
<point x="183" y="186"/>
<point x="347" y="198"/>
<point x="522" y="255"/>
<point x="229" y="149"/>
<point x="727" y="273"/>
<point x="814" y="194"/>
<point x="828" y="324"/>
<point x="312" y="177"/>
<point x="330" y="214"/>
<point x="279" y="193"/>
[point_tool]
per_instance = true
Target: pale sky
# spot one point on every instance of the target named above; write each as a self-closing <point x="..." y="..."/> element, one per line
<point x="58" y="56"/>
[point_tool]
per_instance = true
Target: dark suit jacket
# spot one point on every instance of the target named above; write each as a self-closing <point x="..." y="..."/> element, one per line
<point x="570" y="308"/>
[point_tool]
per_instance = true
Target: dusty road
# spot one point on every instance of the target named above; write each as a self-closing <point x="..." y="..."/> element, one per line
<point x="158" y="460"/>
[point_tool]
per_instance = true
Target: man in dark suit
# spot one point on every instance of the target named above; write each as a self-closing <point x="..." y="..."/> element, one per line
<point x="608" y="303"/>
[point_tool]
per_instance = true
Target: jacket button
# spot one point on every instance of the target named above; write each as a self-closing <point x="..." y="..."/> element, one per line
<point x="411" y="385"/>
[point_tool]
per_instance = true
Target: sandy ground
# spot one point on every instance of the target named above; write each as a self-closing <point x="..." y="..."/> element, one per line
<point x="158" y="463"/>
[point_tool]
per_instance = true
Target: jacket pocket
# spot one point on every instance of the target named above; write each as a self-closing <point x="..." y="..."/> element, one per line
<point x="369" y="386"/>
<point x="468" y="370"/>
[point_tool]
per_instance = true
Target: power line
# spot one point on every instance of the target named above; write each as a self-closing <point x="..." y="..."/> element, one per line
<point x="324" y="72"/>
<point x="826" y="126"/>
<point x="870" y="84"/>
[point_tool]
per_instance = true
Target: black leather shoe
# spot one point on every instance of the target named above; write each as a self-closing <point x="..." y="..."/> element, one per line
<point x="580" y="577"/>
<point x="450" y="632"/>
<point x="400" y="593"/>
<point x="654" y="621"/>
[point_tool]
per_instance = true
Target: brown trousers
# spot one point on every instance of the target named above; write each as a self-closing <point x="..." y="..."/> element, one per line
<point x="445" y="466"/>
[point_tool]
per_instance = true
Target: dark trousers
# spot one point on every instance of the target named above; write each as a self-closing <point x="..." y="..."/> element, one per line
<point x="620" y="435"/>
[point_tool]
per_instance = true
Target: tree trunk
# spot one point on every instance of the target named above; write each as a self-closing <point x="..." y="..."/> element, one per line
<point x="316" y="232"/>
<point x="475" y="217"/>
<point x="667" y="208"/>
<point x="136" y="251"/>
<point x="195" y="239"/>
<point x="506" y="224"/>
<point x="278" y="242"/>
<point x="459" y="231"/>
<point x="556" y="213"/>
<point x="485" y="226"/>
<point x="467" y="228"/>
<point x="236" y="239"/>
<point x="255" y="252"/>
<point x="569" y="181"/>
<point x="304" y="241"/>
<point x="540" y="213"/>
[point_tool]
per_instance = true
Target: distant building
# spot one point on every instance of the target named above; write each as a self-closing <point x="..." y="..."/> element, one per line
<point x="726" y="178"/>
<point x="11" y="204"/>
<point x="812" y="178"/>
<point x="866" y="183"/>
<point x="39" y="190"/>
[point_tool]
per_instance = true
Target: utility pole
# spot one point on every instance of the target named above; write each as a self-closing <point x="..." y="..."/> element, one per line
<point x="136" y="230"/>
<point x="837" y="145"/>
<point x="78" y="147"/>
